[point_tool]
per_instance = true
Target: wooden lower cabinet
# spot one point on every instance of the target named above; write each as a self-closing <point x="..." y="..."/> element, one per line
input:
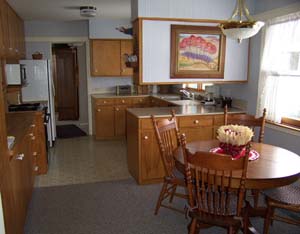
<point x="143" y="156"/>
<point x="120" y="121"/>
<point x="17" y="186"/>
<point x="152" y="169"/>
<point x="104" y="122"/>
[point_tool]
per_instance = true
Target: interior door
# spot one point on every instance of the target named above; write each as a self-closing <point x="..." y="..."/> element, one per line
<point x="66" y="83"/>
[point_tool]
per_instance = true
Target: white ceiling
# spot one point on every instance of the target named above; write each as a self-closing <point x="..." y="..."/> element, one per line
<point x="64" y="9"/>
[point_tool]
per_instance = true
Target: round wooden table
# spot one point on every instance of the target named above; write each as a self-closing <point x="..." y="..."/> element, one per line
<point x="274" y="168"/>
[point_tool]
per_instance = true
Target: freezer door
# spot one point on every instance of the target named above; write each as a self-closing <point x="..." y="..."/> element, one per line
<point x="37" y="81"/>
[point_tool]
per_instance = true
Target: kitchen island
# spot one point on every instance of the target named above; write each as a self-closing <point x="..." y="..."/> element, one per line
<point x="197" y="121"/>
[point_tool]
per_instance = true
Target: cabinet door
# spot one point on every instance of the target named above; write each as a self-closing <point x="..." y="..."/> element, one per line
<point x="11" y="19"/>
<point x="4" y="18"/>
<point x="126" y="48"/>
<point x="105" y="57"/>
<point x="1" y="29"/>
<point x="151" y="163"/>
<point x="197" y="134"/>
<point x="104" y="121"/>
<point x="120" y="120"/>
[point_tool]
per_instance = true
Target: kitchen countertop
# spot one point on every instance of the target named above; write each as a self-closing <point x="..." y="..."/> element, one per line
<point x="181" y="107"/>
<point x="184" y="110"/>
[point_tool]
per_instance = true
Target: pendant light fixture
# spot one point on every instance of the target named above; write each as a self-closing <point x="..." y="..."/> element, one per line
<point x="241" y="25"/>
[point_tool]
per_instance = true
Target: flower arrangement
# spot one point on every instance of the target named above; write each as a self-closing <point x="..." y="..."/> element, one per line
<point x="233" y="138"/>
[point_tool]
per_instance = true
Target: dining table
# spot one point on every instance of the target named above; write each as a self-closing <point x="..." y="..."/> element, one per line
<point x="275" y="167"/>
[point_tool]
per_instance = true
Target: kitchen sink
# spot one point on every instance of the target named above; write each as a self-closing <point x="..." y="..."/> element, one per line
<point x="187" y="102"/>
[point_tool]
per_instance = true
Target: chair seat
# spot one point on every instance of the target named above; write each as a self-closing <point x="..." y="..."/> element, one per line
<point x="289" y="194"/>
<point x="178" y="178"/>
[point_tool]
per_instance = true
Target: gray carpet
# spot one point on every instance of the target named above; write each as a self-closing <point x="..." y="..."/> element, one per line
<point x="110" y="208"/>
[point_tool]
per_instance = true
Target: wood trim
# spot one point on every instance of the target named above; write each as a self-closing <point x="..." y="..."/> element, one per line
<point x="191" y="82"/>
<point x="183" y="19"/>
<point x="283" y="126"/>
<point x="293" y="122"/>
<point x="140" y="35"/>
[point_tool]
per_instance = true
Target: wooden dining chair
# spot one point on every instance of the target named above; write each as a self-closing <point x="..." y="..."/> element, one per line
<point x="168" y="138"/>
<point x="287" y="198"/>
<point x="247" y="120"/>
<point x="257" y="125"/>
<point x="215" y="199"/>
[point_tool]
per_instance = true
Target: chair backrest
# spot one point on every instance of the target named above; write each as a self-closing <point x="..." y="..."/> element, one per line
<point x="168" y="137"/>
<point x="247" y="120"/>
<point x="210" y="181"/>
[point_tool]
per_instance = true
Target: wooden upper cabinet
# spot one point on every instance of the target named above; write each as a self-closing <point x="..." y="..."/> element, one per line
<point x="12" y="36"/>
<point x="107" y="57"/>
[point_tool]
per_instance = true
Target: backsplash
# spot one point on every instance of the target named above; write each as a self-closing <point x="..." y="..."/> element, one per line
<point x="107" y="85"/>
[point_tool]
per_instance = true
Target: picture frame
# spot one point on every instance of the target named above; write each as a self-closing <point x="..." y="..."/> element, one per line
<point x="197" y="52"/>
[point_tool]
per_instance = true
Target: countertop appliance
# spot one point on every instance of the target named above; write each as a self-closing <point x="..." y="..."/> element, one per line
<point x="40" y="88"/>
<point x="15" y="74"/>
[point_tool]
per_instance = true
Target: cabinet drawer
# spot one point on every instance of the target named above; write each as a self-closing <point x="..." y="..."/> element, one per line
<point x="139" y="100"/>
<point x="123" y="101"/>
<point x="195" y="121"/>
<point x="146" y="124"/>
<point x="219" y="120"/>
<point x="104" y="101"/>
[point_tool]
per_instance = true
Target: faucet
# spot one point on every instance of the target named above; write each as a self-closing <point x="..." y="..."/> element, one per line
<point x="186" y="93"/>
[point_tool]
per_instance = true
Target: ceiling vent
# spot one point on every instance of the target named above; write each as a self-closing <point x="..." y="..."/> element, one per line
<point x="88" y="11"/>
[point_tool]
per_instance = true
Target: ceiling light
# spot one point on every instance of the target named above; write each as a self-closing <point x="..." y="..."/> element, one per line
<point x="88" y="11"/>
<point x="243" y="28"/>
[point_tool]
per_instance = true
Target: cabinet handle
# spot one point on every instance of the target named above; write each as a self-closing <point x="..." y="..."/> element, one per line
<point x="146" y="137"/>
<point x="33" y="138"/>
<point x="196" y="121"/>
<point x="117" y="109"/>
<point x="32" y="125"/>
<point x="98" y="110"/>
<point x="123" y="101"/>
<point x="31" y="134"/>
<point x="104" y="102"/>
<point x="34" y="153"/>
<point x="36" y="168"/>
<point x="20" y="157"/>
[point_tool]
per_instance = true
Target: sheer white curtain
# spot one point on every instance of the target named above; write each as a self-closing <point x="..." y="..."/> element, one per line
<point x="279" y="79"/>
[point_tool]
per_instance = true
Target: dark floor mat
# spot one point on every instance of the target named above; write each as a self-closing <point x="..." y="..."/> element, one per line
<point x="69" y="131"/>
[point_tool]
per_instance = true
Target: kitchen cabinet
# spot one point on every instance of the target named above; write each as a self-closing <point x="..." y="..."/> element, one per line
<point x="12" y="36"/>
<point x="143" y="156"/>
<point x="108" y="57"/>
<point x="196" y="127"/>
<point x="120" y="120"/>
<point x="104" y="121"/>
<point x="18" y="179"/>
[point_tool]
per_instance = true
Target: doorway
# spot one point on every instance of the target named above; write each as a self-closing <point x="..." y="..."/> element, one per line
<point x="65" y="76"/>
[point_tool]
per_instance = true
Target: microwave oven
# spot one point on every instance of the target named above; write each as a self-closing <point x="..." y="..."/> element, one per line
<point x="15" y="74"/>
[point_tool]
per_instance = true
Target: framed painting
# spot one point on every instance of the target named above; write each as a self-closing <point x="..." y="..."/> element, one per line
<point x="197" y="52"/>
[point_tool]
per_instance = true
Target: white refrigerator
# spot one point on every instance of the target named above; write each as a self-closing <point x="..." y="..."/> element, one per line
<point x="40" y="88"/>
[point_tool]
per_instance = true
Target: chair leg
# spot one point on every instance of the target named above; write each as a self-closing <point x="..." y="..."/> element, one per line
<point x="270" y="211"/>
<point x="172" y="194"/>
<point x="161" y="196"/>
<point x="230" y="230"/>
<point x="246" y="218"/>
<point x="193" y="226"/>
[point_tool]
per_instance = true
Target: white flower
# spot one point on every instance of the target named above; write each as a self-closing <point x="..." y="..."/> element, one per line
<point x="235" y="134"/>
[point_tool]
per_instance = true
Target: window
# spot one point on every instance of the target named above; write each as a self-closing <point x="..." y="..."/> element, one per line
<point x="279" y="79"/>
<point x="196" y="86"/>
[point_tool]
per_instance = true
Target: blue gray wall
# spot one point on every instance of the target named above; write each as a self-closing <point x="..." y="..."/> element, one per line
<point x="78" y="28"/>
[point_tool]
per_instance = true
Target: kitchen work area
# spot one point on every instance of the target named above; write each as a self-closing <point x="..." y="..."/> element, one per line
<point x="134" y="116"/>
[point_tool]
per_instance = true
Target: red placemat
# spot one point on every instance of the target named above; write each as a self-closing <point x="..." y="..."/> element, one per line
<point x="253" y="155"/>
